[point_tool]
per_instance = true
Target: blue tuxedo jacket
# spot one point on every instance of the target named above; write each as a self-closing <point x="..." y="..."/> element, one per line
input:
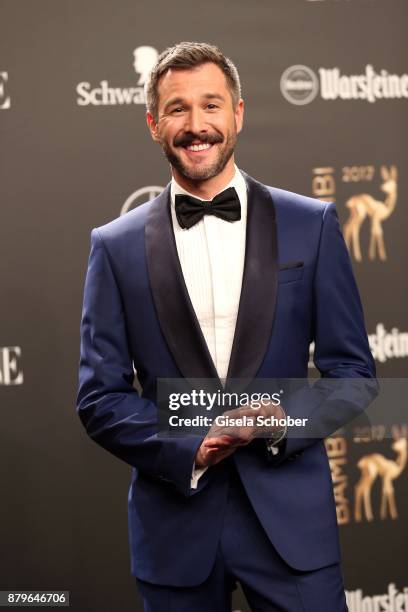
<point x="137" y="314"/>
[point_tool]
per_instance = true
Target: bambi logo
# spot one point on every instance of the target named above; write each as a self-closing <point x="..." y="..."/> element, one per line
<point x="372" y="466"/>
<point x="364" y="205"/>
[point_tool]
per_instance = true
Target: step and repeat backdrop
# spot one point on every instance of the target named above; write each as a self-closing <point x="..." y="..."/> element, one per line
<point x="326" y="89"/>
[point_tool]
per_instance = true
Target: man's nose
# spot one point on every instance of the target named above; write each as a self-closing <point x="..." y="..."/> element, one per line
<point x="195" y="121"/>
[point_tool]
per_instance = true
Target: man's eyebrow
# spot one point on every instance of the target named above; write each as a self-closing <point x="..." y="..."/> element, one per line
<point x="172" y="101"/>
<point x="179" y="100"/>
<point x="214" y="96"/>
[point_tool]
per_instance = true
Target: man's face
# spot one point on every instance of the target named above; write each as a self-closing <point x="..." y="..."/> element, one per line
<point x="197" y="124"/>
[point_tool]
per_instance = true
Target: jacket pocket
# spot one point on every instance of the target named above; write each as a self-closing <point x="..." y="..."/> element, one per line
<point x="291" y="271"/>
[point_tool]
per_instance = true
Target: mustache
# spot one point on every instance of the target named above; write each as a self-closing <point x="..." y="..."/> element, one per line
<point x="187" y="139"/>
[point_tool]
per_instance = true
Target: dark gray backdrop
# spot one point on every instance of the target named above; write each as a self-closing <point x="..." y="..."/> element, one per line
<point x="66" y="168"/>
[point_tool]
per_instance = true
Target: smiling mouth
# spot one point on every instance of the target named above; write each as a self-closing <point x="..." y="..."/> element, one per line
<point x="198" y="148"/>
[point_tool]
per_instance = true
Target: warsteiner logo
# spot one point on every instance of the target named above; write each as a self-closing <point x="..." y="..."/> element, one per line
<point x="144" y="58"/>
<point x="300" y="85"/>
<point x="384" y="344"/>
<point x="395" y="600"/>
<point x="387" y="345"/>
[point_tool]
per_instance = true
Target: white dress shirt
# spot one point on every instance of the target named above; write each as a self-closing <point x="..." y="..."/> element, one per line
<point x="212" y="255"/>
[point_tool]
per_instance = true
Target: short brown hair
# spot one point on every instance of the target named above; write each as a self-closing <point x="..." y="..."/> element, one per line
<point x="187" y="55"/>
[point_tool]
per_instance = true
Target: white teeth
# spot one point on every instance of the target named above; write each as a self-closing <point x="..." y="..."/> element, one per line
<point x="200" y="147"/>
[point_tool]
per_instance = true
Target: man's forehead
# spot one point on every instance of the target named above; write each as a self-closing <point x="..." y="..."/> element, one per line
<point x="184" y="78"/>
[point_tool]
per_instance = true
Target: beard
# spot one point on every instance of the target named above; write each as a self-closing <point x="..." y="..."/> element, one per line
<point x="206" y="170"/>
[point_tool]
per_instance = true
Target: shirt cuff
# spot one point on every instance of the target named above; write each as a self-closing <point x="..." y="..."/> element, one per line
<point x="196" y="475"/>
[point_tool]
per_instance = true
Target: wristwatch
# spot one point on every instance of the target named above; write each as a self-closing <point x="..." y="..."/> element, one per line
<point x="273" y="442"/>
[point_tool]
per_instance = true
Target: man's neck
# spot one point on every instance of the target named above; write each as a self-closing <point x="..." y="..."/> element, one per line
<point x="207" y="189"/>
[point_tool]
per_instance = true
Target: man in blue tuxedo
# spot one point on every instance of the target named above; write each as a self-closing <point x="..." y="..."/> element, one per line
<point x="220" y="278"/>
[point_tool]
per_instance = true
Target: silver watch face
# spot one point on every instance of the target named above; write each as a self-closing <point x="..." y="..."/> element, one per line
<point x="277" y="436"/>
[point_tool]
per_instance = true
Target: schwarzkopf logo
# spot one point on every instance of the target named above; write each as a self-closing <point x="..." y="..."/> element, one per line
<point x="144" y="58"/>
<point x="10" y="367"/>
<point x="4" y="98"/>
<point x="300" y="85"/>
<point x="144" y="194"/>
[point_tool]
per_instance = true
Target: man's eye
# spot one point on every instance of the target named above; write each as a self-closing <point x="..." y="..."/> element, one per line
<point x="177" y="110"/>
<point x="211" y="106"/>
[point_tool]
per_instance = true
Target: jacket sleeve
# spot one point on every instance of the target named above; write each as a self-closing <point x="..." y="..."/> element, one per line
<point x="341" y="347"/>
<point x="110" y="408"/>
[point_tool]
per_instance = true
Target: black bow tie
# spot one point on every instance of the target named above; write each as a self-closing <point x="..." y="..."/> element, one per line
<point x="190" y="211"/>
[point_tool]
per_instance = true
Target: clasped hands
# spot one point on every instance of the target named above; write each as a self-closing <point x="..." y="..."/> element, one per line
<point x="222" y="440"/>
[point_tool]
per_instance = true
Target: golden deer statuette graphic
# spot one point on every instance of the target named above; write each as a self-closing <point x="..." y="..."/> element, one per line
<point x="372" y="466"/>
<point x="364" y="205"/>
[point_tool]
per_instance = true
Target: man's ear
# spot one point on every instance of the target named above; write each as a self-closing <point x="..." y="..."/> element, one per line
<point x="239" y="115"/>
<point x="152" y="125"/>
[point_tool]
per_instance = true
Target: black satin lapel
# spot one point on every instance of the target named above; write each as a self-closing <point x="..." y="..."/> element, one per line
<point x="259" y="286"/>
<point x="175" y="311"/>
